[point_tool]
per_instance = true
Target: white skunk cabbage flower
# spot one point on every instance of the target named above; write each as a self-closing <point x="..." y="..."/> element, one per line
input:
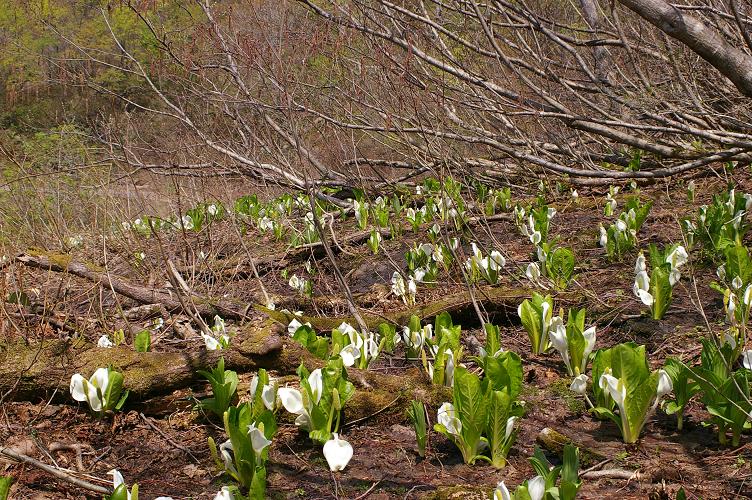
<point x="604" y="236"/>
<point x="559" y="342"/>
<point x="533" y="271"/>
<point x="510" y="427"/>
<point x="294" y="402"/>
<point x="117" y="480"/>
<point x="676" y="259"/>
<point x="665" y="385"/>
<point x="104" y="341"/>
<point x="258" y="439"/>
<point x="737" y="282"/>
<point x="536" y="488"/>
<point x="616" y="389"/>
<point x="501" y="492"/>
<point x="293" y="326"/>
<point x="90" y="390"/>
<point x="211" y="343"/>
<point x="579" y="384"/>
<point x="747" y="359"/>
<point x="447" y="416"/>
<point x="268" y="392"/>
<point x="187" y="221"/>
<point x="640" y="264"/>
<point x="338" y="453"/>
<point x="224" y="451"/>
<point x="641" y="288"/>
<point x="224" y="494"/>
<point x="398" y="284"/>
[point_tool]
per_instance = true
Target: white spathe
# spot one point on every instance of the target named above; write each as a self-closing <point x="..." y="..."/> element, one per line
<point x="533" y="272"/>
<point x="579" y="384"/>
<point x="210" y="342"/>
<point x="268" y="392"/>
<point x="501" y="492"/>
<point x="224" y="494"/>
<point x="117" y="480"/>
<point x="536" y="488"/>
<point x="447" y="417"/>
<point x="104" y="341"/>
<point x="349" y="354"/>
<point x="258" y="439"/>
<point x="664" y="384"/>
<point x="90" y="390"/>
<point x="338" y="453"/>
<point x="558" y="338"/>
<point x="510" y="427"/>
<point x="747" y="359"/>
<point x="641" y="288"/>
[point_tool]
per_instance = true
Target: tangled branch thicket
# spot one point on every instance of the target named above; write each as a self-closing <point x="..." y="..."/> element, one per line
<point x="298" y="91"/>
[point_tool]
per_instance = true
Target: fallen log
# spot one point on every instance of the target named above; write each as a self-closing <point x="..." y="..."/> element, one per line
<point x="496" y="300"/>
<point x="62" y="263"/>
<point x="241" y="267"/>
<point x="36" y="372"/>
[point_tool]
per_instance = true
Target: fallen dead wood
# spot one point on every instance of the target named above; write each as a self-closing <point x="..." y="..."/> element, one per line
<point x="497" y="300"/>
<point x="35" y="372"/>
<point x="62" y="263"/>
<point x="58" y="473"/>
<point x="555" y="441"/>
<point x="241" y="267"/>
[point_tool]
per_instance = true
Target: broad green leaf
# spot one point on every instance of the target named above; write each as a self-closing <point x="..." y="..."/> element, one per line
<point x="738" y="263"/>
<point x="561" y="266"/>
<point x="142" y="342"/>
<point x="114" y="389"/>
<point x="493" y="342"/>
<point x="498" y="413"/>
<point x="471" y="405"/>
<point x="5" y="483"/>
<point x="504" y="373"/>
<point x="660" y="289"/>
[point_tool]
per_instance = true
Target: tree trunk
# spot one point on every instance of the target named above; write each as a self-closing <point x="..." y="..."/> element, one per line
<point x="733" y="63"/>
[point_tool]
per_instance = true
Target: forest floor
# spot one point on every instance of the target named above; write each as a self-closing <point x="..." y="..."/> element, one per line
<point x="162" y="442"/>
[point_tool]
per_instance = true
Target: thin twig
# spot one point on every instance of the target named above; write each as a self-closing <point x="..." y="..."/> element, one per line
<point x="168" y="438"/>
<point x="58" y="473"/>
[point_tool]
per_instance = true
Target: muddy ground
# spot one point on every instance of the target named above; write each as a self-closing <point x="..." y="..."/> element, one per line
<point x="162" y="443"/>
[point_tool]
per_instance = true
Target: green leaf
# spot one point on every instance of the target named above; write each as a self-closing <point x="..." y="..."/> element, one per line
<point x="142" y="342"/>
<point x="19" y="298"/>
<point x="560" y="265"/>
<point x="121" y="401"/>
<point x="114" y="388"/>
<point x="120" y="493"/>
<point x="5" y="483"/>
<point x="493" y="341"/>
<point x="471" y="407"/>
<point x="504" y="373"/>
<point x="576" y="339"/>
<point x="660" y="289"/>
<point x="570" y="480"/>
<point x="498" y="412"/>
<point x="738" y="263"/>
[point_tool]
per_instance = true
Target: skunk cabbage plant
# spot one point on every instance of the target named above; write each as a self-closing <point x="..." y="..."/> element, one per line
<point x="626" y="390"/>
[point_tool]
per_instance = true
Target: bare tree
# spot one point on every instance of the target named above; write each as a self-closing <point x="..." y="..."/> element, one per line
<point x="370" y="92"/>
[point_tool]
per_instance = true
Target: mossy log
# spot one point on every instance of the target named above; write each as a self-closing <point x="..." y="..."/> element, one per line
<point x="555" y="441"/>
<point x="35" y="372"/>
<point x="62" y="263"/>
<point x="493" y="299"/>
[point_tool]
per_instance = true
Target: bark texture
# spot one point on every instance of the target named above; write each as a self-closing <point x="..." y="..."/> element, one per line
<point x="733" y="63"/>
